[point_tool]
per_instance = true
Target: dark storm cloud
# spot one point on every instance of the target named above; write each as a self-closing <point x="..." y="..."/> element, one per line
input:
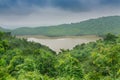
<point x="20" y="6"/>
<point x="16" y="13"/>
<point x="27" y="6"/>
<point x="74" y="5"/>
<point x="9" y="3"/>
<point x="110" y="2"/>
<point x="84" y="5"/>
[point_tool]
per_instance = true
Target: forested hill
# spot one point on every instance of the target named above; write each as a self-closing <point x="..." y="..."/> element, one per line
<point x="97" y="26"/>
<point x="5" y="30"/>
<point x="23" y="60"/>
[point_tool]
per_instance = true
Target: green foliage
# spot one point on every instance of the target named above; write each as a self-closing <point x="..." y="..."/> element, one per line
<point x="110" y="37"/>
<point x="68" y="65"/>
<point x="23" y="60"/>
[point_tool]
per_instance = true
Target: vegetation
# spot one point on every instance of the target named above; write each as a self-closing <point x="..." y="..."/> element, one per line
<point x="23" y="60"/>
<point x="4" y="30"/>
<point x="100" y="26"/>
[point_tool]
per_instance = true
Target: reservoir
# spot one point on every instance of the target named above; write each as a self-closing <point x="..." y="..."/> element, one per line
<point x="62" y="42"/>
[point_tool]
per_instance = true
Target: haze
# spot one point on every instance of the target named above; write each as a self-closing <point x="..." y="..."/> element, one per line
<point x="34" y="13"/>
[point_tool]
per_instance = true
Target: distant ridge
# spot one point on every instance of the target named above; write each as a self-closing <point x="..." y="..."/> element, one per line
<point x="4" y="30"/>
<point x="99" y="26"/>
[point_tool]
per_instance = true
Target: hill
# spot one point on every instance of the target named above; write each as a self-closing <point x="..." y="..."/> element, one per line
<point x="99" y="26"/>
<point x="4" y="30"/>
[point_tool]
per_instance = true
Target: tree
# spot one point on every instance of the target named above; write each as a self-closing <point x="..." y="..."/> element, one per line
<point x="68" y="65"/>
<point x="105" y="62"/>
<point x="110" y="37"/>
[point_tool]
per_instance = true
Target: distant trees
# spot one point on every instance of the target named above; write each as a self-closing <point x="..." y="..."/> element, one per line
<point x="110" y="37"/>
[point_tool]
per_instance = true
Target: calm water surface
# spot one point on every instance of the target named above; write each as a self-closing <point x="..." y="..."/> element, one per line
<point x="63" y="43"/>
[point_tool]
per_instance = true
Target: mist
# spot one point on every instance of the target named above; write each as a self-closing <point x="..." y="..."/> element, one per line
<point x="37" y="13"/>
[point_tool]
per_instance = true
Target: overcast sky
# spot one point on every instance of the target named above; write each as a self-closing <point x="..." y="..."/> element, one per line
<point x="33" y="13"/>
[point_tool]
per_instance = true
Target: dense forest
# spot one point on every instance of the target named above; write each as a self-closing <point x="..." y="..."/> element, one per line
<point x="99" y="26"/>
<point x="23" y="60"/>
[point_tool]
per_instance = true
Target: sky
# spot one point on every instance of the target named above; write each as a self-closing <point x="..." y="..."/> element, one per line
<point x="35" y="13"/>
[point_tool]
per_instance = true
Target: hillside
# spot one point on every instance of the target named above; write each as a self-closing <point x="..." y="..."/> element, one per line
<point x="5" y="30"/>
<point x="97" y="26"/>
<point x="23" y="60"/>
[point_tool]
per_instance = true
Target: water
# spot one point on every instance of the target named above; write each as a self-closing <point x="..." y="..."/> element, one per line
<point x="63" y="43"/>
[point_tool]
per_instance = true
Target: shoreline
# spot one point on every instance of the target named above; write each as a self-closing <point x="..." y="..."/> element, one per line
<point x="57" y="43"/>
<point x="59" y="37"/>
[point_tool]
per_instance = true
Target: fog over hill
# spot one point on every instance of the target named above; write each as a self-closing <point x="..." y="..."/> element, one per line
<point x="99" y="26"/>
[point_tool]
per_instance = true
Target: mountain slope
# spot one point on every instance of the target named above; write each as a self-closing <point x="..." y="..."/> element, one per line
<point x="98" y="26"/>
<point x="4" y="30"/>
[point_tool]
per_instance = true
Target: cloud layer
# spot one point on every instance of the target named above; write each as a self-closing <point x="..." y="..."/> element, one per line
<point x="26" y="6"/>
<point x="53" y="12"/>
